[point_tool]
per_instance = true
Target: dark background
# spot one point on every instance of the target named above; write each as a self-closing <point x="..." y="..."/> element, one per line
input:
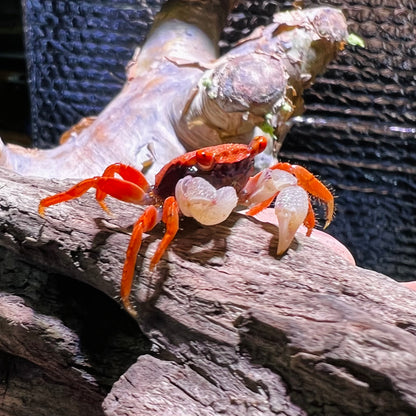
<point x="358" y="133"/>
<point x="14" y="95"/>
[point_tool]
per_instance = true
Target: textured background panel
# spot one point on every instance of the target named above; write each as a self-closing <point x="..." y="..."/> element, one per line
<point x="77" y="52"/>
<point x="359" y="130"/>
<point x="358" y="133"/>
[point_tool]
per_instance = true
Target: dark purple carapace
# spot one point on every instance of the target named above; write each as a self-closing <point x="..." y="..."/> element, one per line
<point x="235" y="174"/>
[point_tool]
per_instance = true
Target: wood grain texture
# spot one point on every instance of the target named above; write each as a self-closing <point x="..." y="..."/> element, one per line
<point x="233" y="329"/>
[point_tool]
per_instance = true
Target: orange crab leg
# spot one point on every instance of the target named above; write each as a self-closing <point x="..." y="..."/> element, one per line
<point x="146" y="222"/>
<point x="309" y="221"/>
<point x="117" y="188"/>
<point x="171" y="219"/>
<point x="312" y="185"/>
<point x="128" y="173"/>
<point x="261" y="206"/>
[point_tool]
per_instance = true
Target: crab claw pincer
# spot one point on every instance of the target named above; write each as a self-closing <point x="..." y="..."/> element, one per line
<point x="266" y="184"/>
<point x="197" y="198"/>
<point x="291" y="208"/>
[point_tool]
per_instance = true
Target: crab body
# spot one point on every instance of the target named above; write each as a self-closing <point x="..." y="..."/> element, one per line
<point x="223" y="165"/>
<point x="206" y="184"/>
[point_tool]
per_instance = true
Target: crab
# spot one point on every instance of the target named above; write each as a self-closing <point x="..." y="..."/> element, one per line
<point x="206" y="184"/>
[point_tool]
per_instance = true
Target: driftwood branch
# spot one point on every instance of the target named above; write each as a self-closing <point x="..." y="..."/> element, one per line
<point x="177" y="94"/>
<point x="262" y="79"/>
<point x="234" y="330"/>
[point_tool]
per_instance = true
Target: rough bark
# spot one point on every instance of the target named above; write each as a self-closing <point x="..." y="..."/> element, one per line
<point x="234" y="330"/>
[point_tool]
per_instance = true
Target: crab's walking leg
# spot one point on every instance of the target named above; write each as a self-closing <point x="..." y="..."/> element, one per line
<point x="261" y="206"/>
<point x="171" y="219"/>
<point x="309" y="221"/>
<point x="312" y="185"/>
<point x="117" y="188"/>
<point x="128" y="173"/>
<point x="146" y="222"/>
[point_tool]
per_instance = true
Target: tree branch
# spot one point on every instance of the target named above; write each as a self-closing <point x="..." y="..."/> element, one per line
<point x="263" y="78"/>
<point x="156" y="117"/>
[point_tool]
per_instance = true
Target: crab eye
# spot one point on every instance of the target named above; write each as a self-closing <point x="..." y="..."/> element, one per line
<point x="257" y="145"/>
<point x="205" y="159"/>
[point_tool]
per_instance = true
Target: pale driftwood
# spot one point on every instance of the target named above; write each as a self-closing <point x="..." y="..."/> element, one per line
<point x="235" y="330"/>
<point x="172" y="102"/>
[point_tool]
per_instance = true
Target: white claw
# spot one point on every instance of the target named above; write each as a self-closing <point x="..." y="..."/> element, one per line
<point x="268" y="184"/>
<point x="197" y="198"/>
<point x="291" y="207"/>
